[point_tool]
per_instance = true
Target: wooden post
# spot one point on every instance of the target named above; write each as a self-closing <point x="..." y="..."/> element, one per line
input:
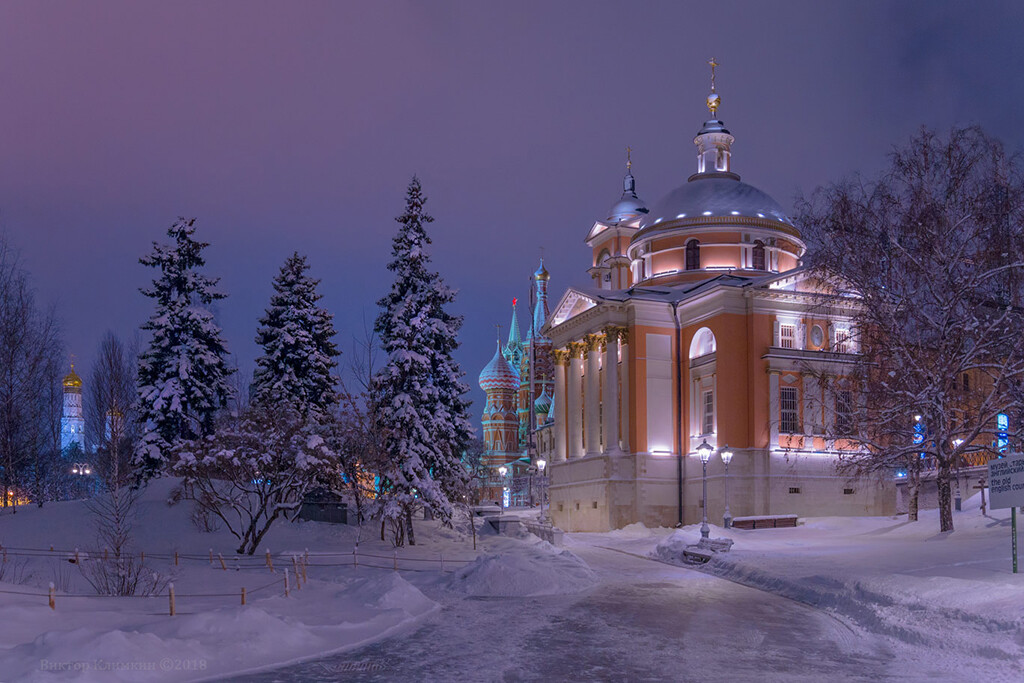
<point x="981" y="485"/>
<point x="175" y="558"/>
<point x="286" y="585"/>
<point x="53" y="602"/>
<point x="142" y="557"/>
<point x="104" y="554"/>
<point x="243" y="595"/>
<point x="211" y="557"/>
<point x="270" y="560"/>
<point x="305" y="578"/>
<point x="222" y="565"/>
<point x="170" y="595"/>
<point x="298" y="575"/>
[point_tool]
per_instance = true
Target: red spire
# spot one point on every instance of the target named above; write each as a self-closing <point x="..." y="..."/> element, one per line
<point x="514" y="300"/>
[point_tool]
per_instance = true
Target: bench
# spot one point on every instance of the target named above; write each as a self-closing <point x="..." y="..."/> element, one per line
<point x="764" y="522"/>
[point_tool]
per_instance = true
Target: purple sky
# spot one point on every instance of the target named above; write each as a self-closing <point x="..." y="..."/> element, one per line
<point x="296" y="126"/>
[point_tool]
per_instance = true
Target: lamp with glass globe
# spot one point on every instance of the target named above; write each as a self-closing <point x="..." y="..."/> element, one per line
<point x="726" y="457"/>
<point x="704" y="451"/>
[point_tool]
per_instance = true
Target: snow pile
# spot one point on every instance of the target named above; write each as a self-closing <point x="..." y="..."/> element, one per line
<point x="87" y="643"/>
<point x="671" y="548"/>
<point x="538" y="569"/>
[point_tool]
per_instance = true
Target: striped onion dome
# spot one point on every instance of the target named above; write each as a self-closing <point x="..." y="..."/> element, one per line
<point x="498" y="374"/>
<point x="542" y="406"/>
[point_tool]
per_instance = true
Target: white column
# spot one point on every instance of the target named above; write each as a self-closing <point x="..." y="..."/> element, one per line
<point x="592" y="398"/>
<point x="624" y="391"/>
<point x="610" y="397"/>
<point x="561" y="358"/>
<point x="773" y="409"/>
<point x="574" y="403"/>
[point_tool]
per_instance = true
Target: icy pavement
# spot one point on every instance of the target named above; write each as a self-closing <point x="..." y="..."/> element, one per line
<point x="644" y="621"/>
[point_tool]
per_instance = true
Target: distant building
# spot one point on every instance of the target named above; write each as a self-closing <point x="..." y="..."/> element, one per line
<point x="519" y="383"/>
<point x="72" y="421"/>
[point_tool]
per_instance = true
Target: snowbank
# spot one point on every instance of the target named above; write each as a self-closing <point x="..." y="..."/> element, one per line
<point x="86" y="643"/>
<point x="538" y="569"/>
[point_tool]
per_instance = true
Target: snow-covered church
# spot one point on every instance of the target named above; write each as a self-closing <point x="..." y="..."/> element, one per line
<point x="700" y="330"/>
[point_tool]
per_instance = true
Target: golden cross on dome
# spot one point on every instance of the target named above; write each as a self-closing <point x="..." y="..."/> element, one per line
<point x="629" y="158"/>
<point x="498" y="328"/>
<point x="713" y="99"/>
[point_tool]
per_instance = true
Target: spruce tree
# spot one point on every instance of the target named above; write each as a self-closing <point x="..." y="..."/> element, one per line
<point x="183" y="378"/>
<point x="419" y="393"/>
<point x="298" y="354"/>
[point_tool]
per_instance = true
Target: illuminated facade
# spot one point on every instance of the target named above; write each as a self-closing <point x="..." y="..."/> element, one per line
<point x="72" y="421"/>
<point x="700" y="325"/>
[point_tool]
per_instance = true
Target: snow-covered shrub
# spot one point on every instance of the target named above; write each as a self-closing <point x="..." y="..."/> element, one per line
<point x="250" y="472"/>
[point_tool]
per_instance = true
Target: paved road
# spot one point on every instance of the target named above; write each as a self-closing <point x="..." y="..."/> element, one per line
<point x="645" y="621"/>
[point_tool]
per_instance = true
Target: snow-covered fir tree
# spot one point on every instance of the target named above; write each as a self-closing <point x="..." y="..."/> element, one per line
<point x="298" y="352"/>
<point x="419" y="395"/>
<point x="183" y="377"/>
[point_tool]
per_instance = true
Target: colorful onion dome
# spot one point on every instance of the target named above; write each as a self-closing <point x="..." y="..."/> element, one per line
<point x="542" y="272"/>
<point x="542" y="406"/>
<point x="498" y="374"/>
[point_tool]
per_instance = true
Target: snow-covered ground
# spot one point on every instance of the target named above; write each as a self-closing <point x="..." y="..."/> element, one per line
<point x="135" y="639"/>
<point x="838" y="598"/>
<point x="953" y="594"/>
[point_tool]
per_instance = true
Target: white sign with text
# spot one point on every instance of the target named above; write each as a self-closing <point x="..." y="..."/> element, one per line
<point x="1006" y="481"/>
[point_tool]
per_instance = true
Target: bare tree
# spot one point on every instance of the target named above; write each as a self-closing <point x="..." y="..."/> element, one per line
<point x="931" y="253"/>
<point x="29" y="344"/>
<point x="253" y="471"/>
<point x="110" y="411"/>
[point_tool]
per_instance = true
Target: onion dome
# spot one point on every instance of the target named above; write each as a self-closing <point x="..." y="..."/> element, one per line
<point x="498" y="374"/>
<point x="542" y="272"/>
<point x="629" y="206"/>
<point x="72" y="382"/>
<point x="542" y="406"/>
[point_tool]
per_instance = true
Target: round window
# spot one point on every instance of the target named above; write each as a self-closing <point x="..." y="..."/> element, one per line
<point x="817" y="336"/>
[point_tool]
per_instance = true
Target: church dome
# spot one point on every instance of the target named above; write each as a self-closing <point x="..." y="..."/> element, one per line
<point x="542" y="406"/>
<point x="72" y="381"/>
<point x="629" y="206"/>
<point x="713" y="195"/>
<point x="498" y="374"/>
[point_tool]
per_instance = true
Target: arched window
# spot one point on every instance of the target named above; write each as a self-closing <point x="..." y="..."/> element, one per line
<point x="693" y="255"/>
<point x="758" y="261"/>
<point x="604" y="257"/>
<point x="703" y="343"/>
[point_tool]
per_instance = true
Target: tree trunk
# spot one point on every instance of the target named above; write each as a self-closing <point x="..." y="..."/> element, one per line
<point x="912" y="505"/>
<point x="408" y="523"/>
<point x="943" y="481"/>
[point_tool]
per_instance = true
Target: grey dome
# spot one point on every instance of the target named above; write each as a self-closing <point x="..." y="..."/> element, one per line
<point x="629" y="205"/>
<point x="714" y="196"/>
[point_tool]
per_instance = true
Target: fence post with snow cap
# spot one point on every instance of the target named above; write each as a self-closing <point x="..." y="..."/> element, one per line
<point x="270" y="560"/>
<point x="222" y="565"/>
<point x="286" y="586"/>
<point x="53" y="602"/>
<point x="298" y="576"/>
<point x="243" y="595"/>
<point x="170" y="596"/>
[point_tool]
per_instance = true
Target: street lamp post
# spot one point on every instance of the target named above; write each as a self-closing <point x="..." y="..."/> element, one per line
<point x="503" y="471"/>
<point x="704" y="451"/>
<point x="726" y="457"/>
<point x="541" y="464"/>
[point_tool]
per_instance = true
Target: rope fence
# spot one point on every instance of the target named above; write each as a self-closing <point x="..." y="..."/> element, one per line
<point x="296" y="575"/>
